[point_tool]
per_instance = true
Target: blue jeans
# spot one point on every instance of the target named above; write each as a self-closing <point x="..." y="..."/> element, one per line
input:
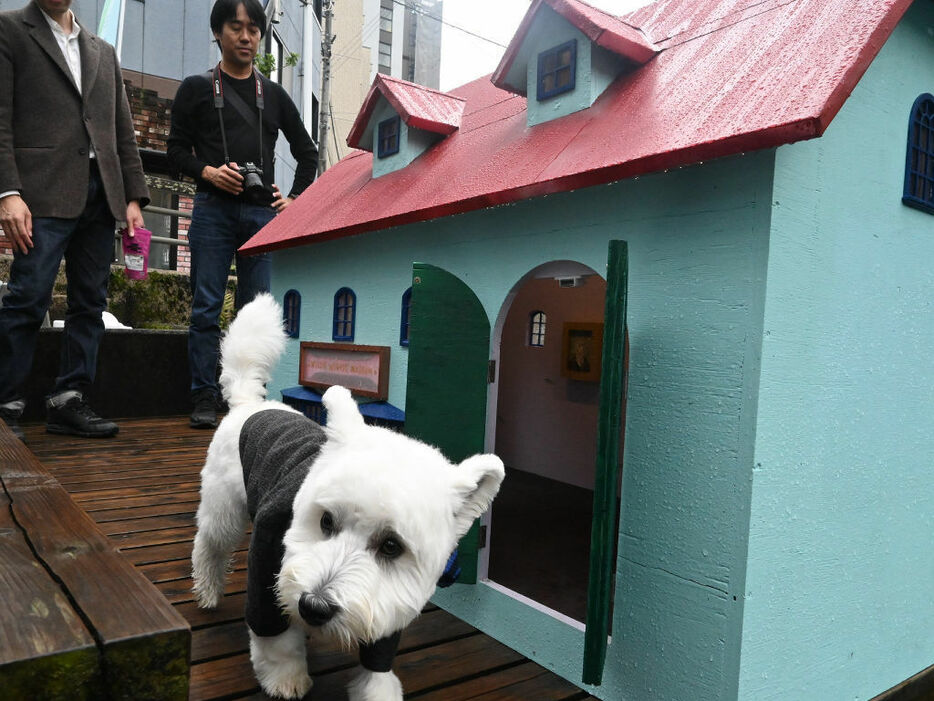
<point x="219" y="226"/>
<point x="87" y="244"/>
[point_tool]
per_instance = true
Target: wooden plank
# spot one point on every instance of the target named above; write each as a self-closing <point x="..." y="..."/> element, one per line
<point x="143" y="641"/>
<point x="543" y="687"/>
<point x="495" y="681"/>
<point x="177" y="591"/>
<point x="230" y="609"/>
<point x="123" y="514"/>
<point x="920" y="687"/>
<point x="156" y="536"/>
<point x="224" y="677"/>
<point x="434" y="666"/>
<point x="133" y="525"/>
<point x="180" y="569"/>
<point x="99" y="508"/>
<point x="46" y="652"/>
<point x="118" y="493"/>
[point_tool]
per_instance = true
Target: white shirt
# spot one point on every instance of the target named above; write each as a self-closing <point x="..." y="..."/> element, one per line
<point x="68" y="43"/>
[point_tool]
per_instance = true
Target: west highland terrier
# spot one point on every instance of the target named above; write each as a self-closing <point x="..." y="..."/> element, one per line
<point x="352" y="524"/>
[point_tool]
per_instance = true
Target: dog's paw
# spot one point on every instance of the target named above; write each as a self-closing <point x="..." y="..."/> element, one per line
<point x="375" y="686"/>
<point x="287" y="686"/>
<point x="279" y="663"/>
<point x="206" y="601"/>
<point x="208" y="597"/>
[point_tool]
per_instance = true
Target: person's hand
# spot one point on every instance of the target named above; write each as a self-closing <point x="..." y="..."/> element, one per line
<point x="278" y="201"/>
<point x="16" y="220"/>
<point x="134" y="217"/>
<point x="226" y="178"/>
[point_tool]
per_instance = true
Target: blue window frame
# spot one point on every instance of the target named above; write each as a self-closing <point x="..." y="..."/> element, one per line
<point x="919" y="163"/>
<point x="557" y="70"/>
<point x="388" y="137"/>
<point x="345" y="308"/>
<point x="404" y="323"/>
<point x="537" y="322"/>
<point x="292" y="313"/>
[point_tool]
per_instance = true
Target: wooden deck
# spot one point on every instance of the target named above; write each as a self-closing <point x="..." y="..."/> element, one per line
<point x="141" y="488"/>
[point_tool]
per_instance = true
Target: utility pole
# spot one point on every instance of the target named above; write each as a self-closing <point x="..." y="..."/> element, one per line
<point x="326" y="41"/>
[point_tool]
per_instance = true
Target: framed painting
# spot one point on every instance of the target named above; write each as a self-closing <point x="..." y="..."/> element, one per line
<point x="581" y="351"/>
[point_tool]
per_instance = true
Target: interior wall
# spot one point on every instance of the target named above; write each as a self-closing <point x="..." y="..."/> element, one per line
<point x="545" y="422"/>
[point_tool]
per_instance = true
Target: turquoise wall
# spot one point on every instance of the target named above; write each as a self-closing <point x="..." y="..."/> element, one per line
<point x="841" y="564"/>
<point x="698" y="254"/>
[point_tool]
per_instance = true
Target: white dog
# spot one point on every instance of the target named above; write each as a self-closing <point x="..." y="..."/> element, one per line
<point x="359" y="549"/>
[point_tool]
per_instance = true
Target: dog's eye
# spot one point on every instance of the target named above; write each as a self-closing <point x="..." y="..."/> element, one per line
<point x="390" y="548"/>
<point x="327" y="524"/>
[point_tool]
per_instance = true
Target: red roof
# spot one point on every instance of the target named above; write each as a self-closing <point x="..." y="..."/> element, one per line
<point x="418" y="106"/>
<point x="731" y="76"/>
<point x="603" y="29"/>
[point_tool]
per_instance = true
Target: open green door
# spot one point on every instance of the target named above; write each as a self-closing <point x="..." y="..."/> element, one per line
<point x="603" y="530"/>
<point x="446" y="391"/>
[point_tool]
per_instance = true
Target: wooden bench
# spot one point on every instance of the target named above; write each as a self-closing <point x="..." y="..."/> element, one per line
<point x="78" y="621"/>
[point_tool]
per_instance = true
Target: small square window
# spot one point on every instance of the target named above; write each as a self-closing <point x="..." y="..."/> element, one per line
<point x="388" y="137"/>
<point x="557" y="69"/>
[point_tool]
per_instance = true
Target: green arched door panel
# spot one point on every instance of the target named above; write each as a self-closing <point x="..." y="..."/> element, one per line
<point x="446" y="393"/>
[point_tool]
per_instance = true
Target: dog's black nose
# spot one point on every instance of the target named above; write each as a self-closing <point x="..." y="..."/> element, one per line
<point x="316" y="609"/>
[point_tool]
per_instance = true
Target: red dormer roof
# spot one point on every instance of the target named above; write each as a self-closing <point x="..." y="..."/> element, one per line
<point x="419" y="107"/>
<point x="731" y="76"/>
<point x="603" y="29"/>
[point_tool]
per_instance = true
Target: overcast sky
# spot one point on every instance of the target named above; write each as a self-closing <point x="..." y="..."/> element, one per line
<point x="465" y="57"/>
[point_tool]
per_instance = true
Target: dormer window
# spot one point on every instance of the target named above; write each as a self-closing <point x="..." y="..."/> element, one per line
<point x="557" y="70"/>
<point x="388" y="134"/>
<point x="565" y="54"/>
<point x="402" y="120"/>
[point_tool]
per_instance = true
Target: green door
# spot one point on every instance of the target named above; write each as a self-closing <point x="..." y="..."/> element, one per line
<point x="603" y="529"/>
<point x="446" y="392"/>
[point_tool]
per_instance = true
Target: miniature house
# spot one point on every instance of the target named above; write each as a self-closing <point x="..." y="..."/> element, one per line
<point x="745" y="191"/>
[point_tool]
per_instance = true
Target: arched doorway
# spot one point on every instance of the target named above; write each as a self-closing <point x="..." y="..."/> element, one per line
<point x="545" y="427"/>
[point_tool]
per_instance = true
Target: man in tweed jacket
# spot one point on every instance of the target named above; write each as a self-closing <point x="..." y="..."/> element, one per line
<point x="69" y="170"/>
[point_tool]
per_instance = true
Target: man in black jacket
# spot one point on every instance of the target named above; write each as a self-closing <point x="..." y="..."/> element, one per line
<point x="224" y="128"/>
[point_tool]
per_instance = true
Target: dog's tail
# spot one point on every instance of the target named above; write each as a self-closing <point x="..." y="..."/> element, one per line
<point x="250" y="350"/>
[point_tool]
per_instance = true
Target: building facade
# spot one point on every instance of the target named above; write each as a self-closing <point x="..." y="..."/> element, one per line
<point x="164" y="42"/>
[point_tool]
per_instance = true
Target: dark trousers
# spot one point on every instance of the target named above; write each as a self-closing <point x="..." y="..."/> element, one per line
<point x="87" y="244"/>
<point x="219" y="226"/>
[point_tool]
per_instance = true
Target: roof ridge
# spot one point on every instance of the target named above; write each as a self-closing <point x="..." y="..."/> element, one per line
<point x="388" y="78"/>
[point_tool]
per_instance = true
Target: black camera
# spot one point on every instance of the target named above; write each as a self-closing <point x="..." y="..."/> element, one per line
<point x="253" y="189"/>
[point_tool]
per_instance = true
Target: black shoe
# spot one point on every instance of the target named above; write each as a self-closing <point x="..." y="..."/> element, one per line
<point x="205" y="413"/>
<point x="11" y="418"/>
<point x="76" y="418"/>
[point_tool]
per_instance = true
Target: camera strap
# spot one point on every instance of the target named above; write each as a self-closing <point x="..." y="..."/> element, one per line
<point x="238" y="104"/>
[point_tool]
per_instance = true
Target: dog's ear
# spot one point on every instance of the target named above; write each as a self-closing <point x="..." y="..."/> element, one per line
<point x="476" y="481"/>
<point x="344" y="417"/>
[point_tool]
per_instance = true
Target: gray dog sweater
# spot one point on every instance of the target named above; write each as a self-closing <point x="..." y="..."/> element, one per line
<point x="277" y="448"/>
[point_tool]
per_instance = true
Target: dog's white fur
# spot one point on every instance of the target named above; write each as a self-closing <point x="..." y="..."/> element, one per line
<point x="375" y="483"/>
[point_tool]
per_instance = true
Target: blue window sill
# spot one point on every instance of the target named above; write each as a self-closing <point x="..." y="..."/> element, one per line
<point x="308" y="401"/>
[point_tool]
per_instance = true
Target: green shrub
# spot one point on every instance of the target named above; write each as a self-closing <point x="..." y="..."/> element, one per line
<point x="161" y="301"/>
